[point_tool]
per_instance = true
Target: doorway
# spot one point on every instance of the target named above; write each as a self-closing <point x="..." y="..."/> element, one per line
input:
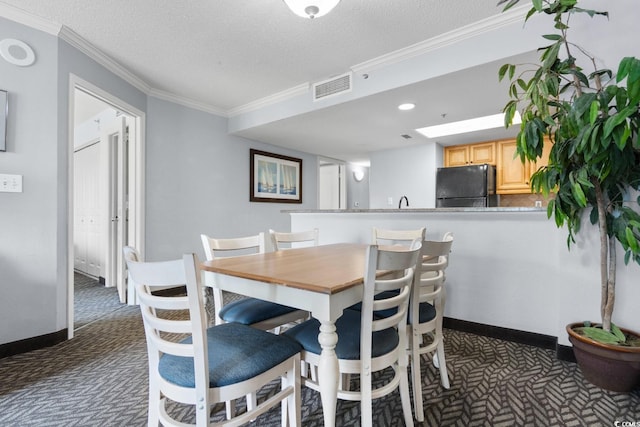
<point x="106" y="170"/>
<point x="332" y="189"/>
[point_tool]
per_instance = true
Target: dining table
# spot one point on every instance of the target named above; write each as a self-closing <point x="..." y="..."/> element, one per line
<point x="323" y="280"/>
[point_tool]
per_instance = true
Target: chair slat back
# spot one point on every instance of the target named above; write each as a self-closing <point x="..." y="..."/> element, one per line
<point x="214" y="247"/>
<point x="398" y="267"/>
<point x="390" y="237"/>
<point x="430" y="276"/>
<point x="168" y="319"/>
<point x="285" y="240"/>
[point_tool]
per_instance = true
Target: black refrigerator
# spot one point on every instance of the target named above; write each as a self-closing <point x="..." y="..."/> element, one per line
<point x="466" y="186"/>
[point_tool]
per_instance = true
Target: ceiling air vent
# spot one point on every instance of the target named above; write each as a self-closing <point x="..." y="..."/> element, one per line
<point x="331" y="87"/>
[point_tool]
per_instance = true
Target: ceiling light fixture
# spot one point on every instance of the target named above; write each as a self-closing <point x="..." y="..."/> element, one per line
<point x="311" y="8"/>
<point x="406" y="107"/>
<point x="464" y="126"/>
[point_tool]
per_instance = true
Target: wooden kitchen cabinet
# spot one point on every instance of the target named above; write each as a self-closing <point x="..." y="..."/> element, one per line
<point x="513" y="176"/>
<point x="462" y="155"/>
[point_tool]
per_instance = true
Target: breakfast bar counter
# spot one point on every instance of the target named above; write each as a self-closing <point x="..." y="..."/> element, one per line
<point x="509" y="267"/>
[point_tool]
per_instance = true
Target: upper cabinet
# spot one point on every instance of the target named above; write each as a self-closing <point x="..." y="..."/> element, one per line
<point x="513" y="177"/>
<point x="461" y="155"/>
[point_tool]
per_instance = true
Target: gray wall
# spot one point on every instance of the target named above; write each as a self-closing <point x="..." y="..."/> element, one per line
<point x="409" y="171"/>
<point x="197" y="181"/>
<point x="28" y="221"/>
<point x="357" y="191"/>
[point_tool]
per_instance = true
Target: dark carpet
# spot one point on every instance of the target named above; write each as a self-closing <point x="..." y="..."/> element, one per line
<point x="100" y="379"/>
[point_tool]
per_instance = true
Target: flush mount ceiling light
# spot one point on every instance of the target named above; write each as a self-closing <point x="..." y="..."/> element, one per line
<point x="17" y="52"/>
<point x="464" y="126"/>
<point x="311" y="8"/>
<point x="406" y="107"/>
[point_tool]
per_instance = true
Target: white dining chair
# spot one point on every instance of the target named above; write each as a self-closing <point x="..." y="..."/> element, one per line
<point x="195" y="365"/>
<point x="366" y="343"/>
<point x="426" y="313"/>
<point x="285" y="240"/>
<point x="248" y="311"/>
<point x="381" y="236"/>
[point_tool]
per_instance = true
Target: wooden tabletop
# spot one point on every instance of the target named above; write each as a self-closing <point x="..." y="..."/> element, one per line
<point x="326" y="269"/>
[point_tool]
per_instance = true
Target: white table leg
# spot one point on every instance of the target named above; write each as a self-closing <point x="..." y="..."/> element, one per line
<point x="328" y="371"/>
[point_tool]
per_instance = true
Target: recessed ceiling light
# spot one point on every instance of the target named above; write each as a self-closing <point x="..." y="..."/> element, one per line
<point x="406" y="107"/>
<point x="464" y="126"/>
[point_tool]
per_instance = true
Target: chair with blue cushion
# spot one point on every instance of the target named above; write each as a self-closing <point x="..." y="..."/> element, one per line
<point x="248" y="311"/>
<point x="366" y="343"/>
<point x="427" y="305"/>
<point x="195" y="365"/>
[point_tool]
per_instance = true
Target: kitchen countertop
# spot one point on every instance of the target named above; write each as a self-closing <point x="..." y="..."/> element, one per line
<point x="420" y="210"/>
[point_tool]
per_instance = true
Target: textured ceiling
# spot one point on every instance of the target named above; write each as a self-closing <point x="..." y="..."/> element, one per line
<point x="227" y="53"/>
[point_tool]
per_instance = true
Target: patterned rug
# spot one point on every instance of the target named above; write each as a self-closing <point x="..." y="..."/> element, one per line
<point x="100" y="379"/>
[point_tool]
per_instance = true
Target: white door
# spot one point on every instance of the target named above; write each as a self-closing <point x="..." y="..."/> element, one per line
<point x="115" y="143"/>
<point x="88" y="241"/>
<point x="331" y="186"/>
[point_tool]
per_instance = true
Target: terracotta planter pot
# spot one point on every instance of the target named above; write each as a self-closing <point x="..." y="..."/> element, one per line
<point x="610" y="367"/>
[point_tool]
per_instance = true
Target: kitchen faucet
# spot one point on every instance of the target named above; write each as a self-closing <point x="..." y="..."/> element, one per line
<point x="400" y="202"/>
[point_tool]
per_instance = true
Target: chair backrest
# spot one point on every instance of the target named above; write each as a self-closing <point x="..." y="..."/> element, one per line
<point x="164" y="320"/>
<point x="131" y="254"/>
<point x="391" y="237"/>
<point x="390" y="269"/>
<point x="232" y="246"/>
<point x="284" y="240"/>
<point x="430" y="275"/>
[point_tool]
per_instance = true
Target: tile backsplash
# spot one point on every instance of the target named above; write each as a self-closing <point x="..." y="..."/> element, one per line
<point x="522" y="200"/>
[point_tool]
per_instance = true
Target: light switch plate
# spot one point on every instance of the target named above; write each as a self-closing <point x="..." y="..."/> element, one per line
<point x="10" y="183"/>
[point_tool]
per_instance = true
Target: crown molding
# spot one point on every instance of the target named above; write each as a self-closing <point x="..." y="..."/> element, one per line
<point x="270" y="100"/>
<point x="71" y="37"/>
<point x="25" y="18"/>
<point x="187" y="102"/>
<point x="492" y="23"/>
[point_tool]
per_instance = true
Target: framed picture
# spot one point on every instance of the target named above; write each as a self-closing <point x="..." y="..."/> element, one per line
<point x="4" y="112"/>
<point x="275" y="178"/>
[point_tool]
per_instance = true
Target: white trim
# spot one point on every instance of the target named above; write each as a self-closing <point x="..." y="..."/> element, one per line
<point x="489" y="24"/>
<point x="72" y="38"/>
<point x="271" y="99"/>
<point x="469" y="31"/>
<point x="136" y="197"/>
<point x="196" y="105"/>
<point x="30" y="20"/>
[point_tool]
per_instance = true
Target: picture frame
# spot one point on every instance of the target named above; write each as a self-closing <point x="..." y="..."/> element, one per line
<point x="274" y="178"/>
<point x="4" y="112"/>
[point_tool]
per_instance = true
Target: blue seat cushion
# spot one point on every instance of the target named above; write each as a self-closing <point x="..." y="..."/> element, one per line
<point x="252" y="310"/>
<point x="348" y="329"/>
<point x="427" y="312"/>
<point x="381" y="295"/>
<point x="236" y="353"/>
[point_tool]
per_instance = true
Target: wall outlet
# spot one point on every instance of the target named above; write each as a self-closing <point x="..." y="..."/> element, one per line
<point x="538" y="204"/>
<point x="356" y="204"/>
<point x="10" y="183"/>
<point x="390" y="201"/>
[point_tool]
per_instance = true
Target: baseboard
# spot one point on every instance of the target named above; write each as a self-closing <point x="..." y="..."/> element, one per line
<point x="33" y="343"/>
<point x="565" y="353"/>
<point x="521" y="337"/>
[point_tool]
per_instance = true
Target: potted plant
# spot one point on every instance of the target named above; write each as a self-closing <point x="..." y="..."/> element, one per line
<point x="592" y="118"/>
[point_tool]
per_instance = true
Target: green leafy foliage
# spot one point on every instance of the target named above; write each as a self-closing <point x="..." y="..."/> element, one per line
<point x="592" y="119"/>
<point x="616" y="336"/>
